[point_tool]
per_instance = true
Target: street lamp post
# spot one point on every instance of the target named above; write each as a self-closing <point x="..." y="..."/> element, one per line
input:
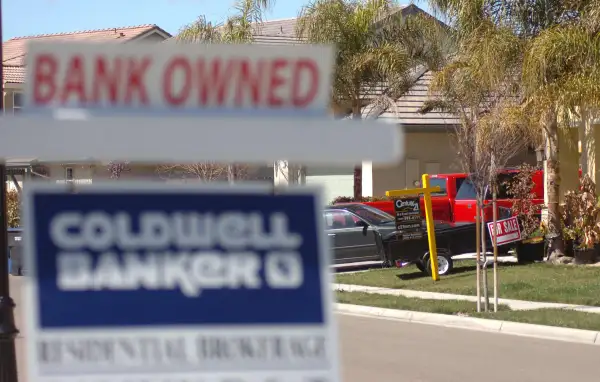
<point x="8" y="330"/>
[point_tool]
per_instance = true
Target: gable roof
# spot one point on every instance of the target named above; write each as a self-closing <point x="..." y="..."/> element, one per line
<point x="287" y="27"/>
<point x="274" y="32"/>
<point x="14" y="50"/>
<point x="283" y="31"/>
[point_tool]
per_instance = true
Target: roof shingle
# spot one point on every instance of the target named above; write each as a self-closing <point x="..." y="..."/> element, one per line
<point x="14" y="50"/>
<point x="406" y="108"/>
<point x="14" y="74"/>
<point x="281" y="27"/>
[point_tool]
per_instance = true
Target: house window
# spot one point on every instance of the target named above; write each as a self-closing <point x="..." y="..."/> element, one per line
<point x="17" y="102"/>
<point x="69" y="173"/>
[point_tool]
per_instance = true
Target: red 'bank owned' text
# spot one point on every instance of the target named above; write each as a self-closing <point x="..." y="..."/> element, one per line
<point x="174" y="81"/>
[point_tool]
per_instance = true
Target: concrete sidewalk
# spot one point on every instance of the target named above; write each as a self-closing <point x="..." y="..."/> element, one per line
<point x="512" y="304"/>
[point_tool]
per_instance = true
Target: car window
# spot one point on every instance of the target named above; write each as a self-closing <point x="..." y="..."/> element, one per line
<point x="372" y="215"/>
<point x="441" y="182"/>
<point x="466" y="191"/>
<point x="338" y="219"/>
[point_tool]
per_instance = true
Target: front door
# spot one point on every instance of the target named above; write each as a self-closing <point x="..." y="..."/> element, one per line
<point x="349" y="239"/>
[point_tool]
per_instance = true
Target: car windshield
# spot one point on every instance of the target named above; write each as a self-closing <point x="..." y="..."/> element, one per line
<point x="372" y="215"/>
<point x="441" y="183"/>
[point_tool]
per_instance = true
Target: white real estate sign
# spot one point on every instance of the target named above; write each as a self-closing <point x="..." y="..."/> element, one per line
<point x="508" y="230"/>
<point x="147" y="283"/>
<point x="219" y="78"/>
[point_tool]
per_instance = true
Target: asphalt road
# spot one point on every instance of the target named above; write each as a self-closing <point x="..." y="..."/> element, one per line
<point x="379" y="350"/>
<point x="382" y="350"/>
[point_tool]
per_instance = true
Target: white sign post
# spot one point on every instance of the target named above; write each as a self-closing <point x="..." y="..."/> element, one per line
<point x="149" y="103"/>
<point x="151" y="283"/>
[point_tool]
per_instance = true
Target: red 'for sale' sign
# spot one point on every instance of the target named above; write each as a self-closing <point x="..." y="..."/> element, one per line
<point x="508" y="230"/>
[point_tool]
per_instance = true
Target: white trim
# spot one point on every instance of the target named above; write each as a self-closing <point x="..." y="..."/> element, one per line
<point x="150" y="33"/>
<point x="191" y="139"/>
<point x="367" y="178"/>
<point x="14" y="86"/>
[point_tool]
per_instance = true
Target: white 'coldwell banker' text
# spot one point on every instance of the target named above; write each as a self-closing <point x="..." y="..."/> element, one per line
<point x="186" y="251"/>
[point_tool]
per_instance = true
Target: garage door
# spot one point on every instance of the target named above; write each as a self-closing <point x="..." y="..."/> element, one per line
<point x="333" y="185"/>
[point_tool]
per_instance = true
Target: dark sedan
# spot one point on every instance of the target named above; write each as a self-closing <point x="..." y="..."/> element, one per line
<point x="356" y="231"/>
<point x="361" y="233"/>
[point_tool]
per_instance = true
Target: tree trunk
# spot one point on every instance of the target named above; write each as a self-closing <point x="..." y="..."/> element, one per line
<point x="357" y="115"/>
<point x="556" y="248"/>
<point x="494" y="237"/>
<point x="478" y="255"/>
<point x="484" y="260"/>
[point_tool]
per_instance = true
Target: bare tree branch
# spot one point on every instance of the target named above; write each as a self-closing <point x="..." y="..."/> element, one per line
<point x="204" y="171"/>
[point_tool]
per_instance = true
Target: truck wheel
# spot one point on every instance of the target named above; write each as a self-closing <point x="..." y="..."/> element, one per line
<point x="421" y="266"/>
<point x="445" y="264"/>
<point x="386" y="264"/>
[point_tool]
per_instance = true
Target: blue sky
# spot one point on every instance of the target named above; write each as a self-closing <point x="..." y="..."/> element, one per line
<point x="31" y="17"/>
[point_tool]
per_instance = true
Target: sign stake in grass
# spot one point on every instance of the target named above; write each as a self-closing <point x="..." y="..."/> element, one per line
<point x="426" y="190"/>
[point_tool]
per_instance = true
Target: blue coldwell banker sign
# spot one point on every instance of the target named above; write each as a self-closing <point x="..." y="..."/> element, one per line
<point x="156" y="283"/>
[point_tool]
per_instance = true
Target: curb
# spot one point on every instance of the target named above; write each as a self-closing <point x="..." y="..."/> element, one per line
<point x="513" y="304"/>
<point x="590" y="337"/>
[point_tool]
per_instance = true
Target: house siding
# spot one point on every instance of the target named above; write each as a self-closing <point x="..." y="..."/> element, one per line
<point x="427" y="150"/>
<point x="8" y="100"/>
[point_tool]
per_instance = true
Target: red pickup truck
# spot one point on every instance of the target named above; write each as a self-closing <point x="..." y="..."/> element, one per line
<point x="456" y="201"/>
<point x="442" y="202"/>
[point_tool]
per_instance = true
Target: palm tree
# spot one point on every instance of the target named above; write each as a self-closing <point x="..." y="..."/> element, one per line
<point x="201" y="31"/>
<point x="371" y="54"/>
<point x="561" y="79"/>
<point x="556" y="62"/>
<point x="238" y="28"/>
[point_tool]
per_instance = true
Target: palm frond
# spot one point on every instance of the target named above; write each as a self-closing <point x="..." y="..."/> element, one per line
<point x="557" y="51"/>
<point x="200" y="30"/>
<point x="436" y="105"/>
<point x="239" y="28"/>
<point x="376" y="47"/>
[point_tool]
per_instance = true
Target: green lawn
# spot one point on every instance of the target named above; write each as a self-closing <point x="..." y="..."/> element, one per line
<point x="551" y="317"/>
<point x="534" y="282"/>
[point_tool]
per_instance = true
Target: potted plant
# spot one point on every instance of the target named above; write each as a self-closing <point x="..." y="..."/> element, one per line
<point x="580" y="219"/>
<point x="520" y="188"/>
